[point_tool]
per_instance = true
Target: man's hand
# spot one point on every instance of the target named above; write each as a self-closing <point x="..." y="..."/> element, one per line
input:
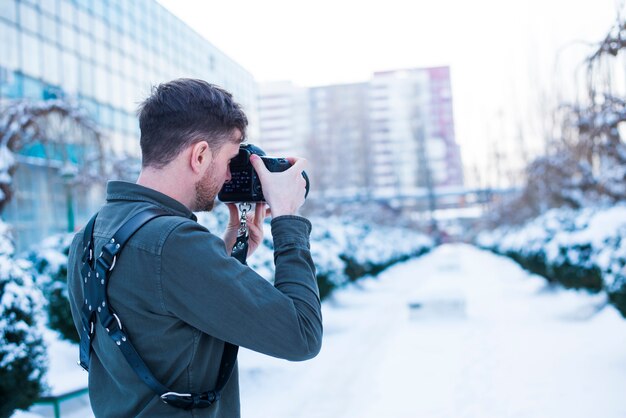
<point x="283" y="191"/>
<point x="255" y="227"/>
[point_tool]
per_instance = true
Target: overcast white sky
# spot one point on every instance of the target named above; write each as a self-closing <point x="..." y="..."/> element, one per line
<point x="501" y="52"/>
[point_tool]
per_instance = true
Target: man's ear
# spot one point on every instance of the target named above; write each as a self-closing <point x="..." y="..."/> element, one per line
<point x="200" y="156"/>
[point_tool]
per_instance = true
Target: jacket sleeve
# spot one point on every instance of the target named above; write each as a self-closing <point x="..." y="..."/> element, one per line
<point x="210" y="290"/>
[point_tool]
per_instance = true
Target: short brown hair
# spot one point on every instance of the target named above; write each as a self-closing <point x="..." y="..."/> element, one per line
<point x="182" y="112"/>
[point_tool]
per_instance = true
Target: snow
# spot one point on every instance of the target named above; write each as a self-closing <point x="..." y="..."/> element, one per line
<point x="64" y="374"/>
<point x="588" y="238"/>
<point x="515" y="348"/>
<point x="520" y="351"/>
<point x="334" y="241"/>
<point x="601" y="226"/>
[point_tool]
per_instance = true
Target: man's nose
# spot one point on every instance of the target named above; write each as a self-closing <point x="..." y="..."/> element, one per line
<point x="228" y="176"/>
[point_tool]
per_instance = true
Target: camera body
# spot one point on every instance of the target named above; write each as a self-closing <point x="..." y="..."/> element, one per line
<point x="245" y="185"/>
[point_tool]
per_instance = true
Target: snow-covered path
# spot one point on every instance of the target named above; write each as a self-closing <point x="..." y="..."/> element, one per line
<point x="519" y="350"/>
<point x="489" y="341"/>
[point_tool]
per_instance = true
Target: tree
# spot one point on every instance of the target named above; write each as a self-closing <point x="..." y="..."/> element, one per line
<point x="22" y="352"/>
<point x="64" y="132"/>
<point x="585" y="162"/>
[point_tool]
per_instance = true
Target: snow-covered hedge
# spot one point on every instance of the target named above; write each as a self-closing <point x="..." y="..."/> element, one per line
<point x="49" y="260"/>
<point x="343" y="250"/>
<point x="583" y="248"/>
<point x="23" y="359"/>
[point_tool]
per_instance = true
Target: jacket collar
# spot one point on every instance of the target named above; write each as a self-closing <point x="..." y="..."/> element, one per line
<point x="123" y="190"/>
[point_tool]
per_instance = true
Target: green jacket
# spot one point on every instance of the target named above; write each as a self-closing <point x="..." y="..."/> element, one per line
<point x="180" y="295"/>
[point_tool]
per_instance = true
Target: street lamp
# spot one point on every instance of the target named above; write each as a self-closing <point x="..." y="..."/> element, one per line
<point x="68" y="173"/>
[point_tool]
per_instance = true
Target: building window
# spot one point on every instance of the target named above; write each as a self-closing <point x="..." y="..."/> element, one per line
<point x="29" y="19"/>
<point x="7" y="10"/>
<point x="99" y="30"/>
<point x="69" y="62"/>
<point x="67" y="12"/>
<point x="86" y="78"/>
<point x="8" y="37"/>
<point x="86" y="4"/>
<point x="31" y="56"/>
<point x="68" y="37"/>
<point x="49" y="6"/>
<point x="102" y="84"/>
<point x="85" y="46"/>
<point x="101" y="54"/>
<point x="51" y="55"/>
<point x="50" y="28"/>
<point x="32" y="88"/>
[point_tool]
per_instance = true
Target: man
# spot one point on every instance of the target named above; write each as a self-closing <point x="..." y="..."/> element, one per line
<point x="177" y="291"/>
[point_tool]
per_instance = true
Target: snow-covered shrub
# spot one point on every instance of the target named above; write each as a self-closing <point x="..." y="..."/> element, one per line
<point x="343" y="250"/>
<point x="22" y="352"/>
<point x="328" y="242"/>
<point x="50" y="262"/>
<point x="583" y="248"/>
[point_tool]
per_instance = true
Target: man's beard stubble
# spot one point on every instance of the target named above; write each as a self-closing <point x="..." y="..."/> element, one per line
<point x="206" y="191"/>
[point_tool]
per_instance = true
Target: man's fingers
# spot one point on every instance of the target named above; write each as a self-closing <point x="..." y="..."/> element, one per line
<point x="258" y="165"/>
<point x="233" y="211"/>
<point x="259" y="213"/>
<point x="299" y="163"/>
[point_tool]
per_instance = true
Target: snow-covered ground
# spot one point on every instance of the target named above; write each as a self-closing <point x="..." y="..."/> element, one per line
<point x="482" y="339"/>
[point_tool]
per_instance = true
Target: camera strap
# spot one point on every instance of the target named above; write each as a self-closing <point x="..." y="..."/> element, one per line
<point x="95" y="273"/>
<point x="240" y="249"/>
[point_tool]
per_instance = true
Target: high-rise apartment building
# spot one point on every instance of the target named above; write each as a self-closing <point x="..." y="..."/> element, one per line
<point x="412" y="130"/>
<point x="391" y="136"/>
<point x="339" y="141"/>
<point x="103" y="55"/>
<point x="283" y="118"/>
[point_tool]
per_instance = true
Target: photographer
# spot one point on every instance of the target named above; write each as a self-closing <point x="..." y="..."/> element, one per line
<point x="175" y="302"/>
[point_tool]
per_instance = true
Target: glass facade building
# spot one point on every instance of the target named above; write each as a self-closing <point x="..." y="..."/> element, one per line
<point x="103" y="55"/>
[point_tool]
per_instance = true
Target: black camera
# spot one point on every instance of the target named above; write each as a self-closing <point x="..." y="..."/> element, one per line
<point x="245" y="185"/>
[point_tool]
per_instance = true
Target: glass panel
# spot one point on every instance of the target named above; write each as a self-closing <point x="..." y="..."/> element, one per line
<point x="8" y="53"/>
<point x="86" y="4"/>
<point x="100" y="54"/>
<point x="32" y="88"/>
<point x="84" y="20"/>
<point x="49" y="6"/>
<point x="115" y="60"/>
<point x="85" y="46"/>
<point x="90" y="106"/>
<point x="31" y="55"/>
<point x="131" y="123"/>
<point x="67" y="12"/>
<point x="69" y="63"/>
<point x="106" y="117"/>
<point x="7" y="10"/>
<point x="99" y="30"/>
<point x="102" y="84"/>
<point x="128" y="67"/>
<point x="86" y="70"/>
<point x="49" y="28"/>
<point x="51" y="63"/>
<point x="100" y="10"/>
<point x="115" y="92"/>
<point x="115" y="15"/>
<point x="29" y="19"/>
<point x="68" y="37"/>
<point x="117" y="120"/>
<point x="39" y="206"/>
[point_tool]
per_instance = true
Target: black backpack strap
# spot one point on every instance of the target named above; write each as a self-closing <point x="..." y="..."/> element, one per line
<point x="87" y="317"/>
<point x="206" y="399"/>
<point x="95" y="275"/>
